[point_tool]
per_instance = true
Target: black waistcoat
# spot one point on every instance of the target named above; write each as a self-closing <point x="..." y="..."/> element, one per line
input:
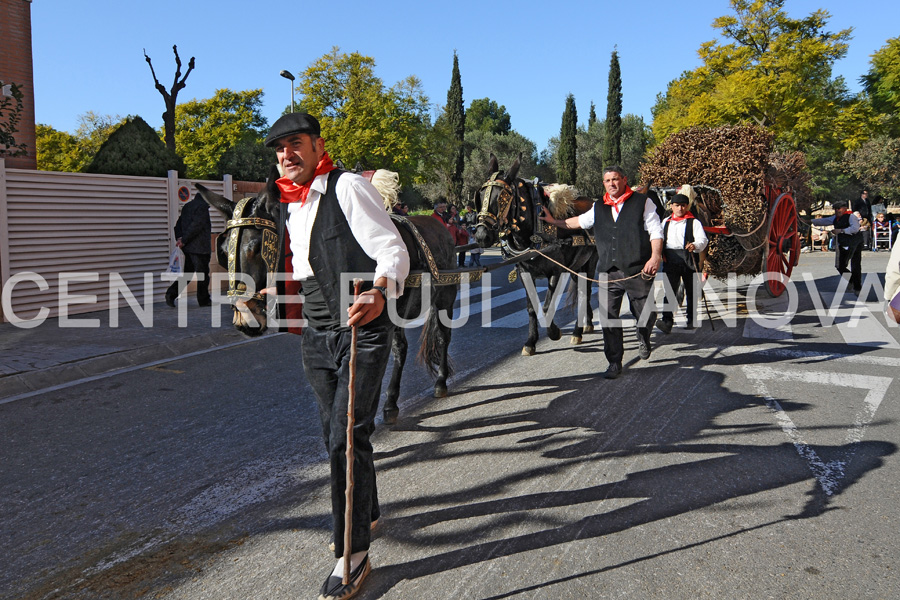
<point x="689" y="258"/>
<point x="624" y="243"/>
<point x="843" y="222"/>
<point x="334" y="250"/>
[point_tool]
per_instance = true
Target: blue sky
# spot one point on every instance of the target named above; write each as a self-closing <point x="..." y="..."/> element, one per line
<point x="526" y="55"/>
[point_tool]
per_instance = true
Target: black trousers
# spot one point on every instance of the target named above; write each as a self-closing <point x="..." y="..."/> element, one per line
<point x="326" y="358"/>
<point x="638" y="289"/>
<point x="193" y="263"/>
<point x="677" y="271"/>
<point x="852" y="256"/>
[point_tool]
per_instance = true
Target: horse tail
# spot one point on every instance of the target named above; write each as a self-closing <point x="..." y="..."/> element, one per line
<point x="432" y="343"/>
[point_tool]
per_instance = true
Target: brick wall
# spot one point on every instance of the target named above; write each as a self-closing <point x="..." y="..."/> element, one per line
<point x="16" y="67"/>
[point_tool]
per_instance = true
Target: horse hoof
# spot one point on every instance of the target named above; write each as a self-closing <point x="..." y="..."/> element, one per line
<point x="576" y="340"/>
<point x="528" y="351"/>
<point x="589" y="328"/>
<point x="554" y="333"/>
<point x="440" y="391"/>
<point x="390" y="415"/>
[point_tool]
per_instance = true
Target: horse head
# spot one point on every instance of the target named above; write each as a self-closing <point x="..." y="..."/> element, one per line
<point x="248" y="249"/>
<point x="497" y="206"/>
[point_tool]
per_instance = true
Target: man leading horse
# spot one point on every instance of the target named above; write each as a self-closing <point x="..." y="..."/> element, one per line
<point x="339" y="229"/>
<point x="629" y="243"/>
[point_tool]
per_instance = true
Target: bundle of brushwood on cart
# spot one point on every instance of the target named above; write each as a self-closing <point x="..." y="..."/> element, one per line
<point x="734" y="171"/>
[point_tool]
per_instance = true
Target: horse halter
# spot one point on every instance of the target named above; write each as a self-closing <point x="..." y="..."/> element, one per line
<point x="504" y="201"/>
<point x="269" y="248"/>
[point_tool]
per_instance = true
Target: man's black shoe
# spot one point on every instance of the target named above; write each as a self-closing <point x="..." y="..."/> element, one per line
<point x="664" y="326"/>
<point x="170" y="301"/>
<point x="613" y="371"/>
<point x="643" y="348"/>
<point x="334" y="589"/>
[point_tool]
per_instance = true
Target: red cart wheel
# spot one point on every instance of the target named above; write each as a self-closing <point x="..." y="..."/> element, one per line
<point x="783" y="251"/>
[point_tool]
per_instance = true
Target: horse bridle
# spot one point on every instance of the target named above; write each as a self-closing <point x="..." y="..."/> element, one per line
<point x="499" y="221"/>
<point x="238" y="289"/>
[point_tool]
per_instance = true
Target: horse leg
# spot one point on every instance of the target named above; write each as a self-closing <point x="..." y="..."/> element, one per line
<point x="553" y="331"/>
<point x="399" y="345"/>
<point x="528" y="349"/>
<point x="440" y="382"/>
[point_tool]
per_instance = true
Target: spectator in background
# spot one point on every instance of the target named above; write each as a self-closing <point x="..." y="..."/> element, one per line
<point x="460" y="235"/>
<point x="892" y="284"/>
<point x="192" y="234"/>
<point x="400" y="209"/>
<point x="863" y="206"/>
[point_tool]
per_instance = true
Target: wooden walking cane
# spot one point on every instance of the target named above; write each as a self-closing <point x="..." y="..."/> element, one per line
<point x="351" y="397"/>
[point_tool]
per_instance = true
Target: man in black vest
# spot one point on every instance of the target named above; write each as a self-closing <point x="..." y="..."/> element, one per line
<point x="339" y="230"/>
<point x="684" y="241"/>
<point x="629" y="240"/>
<point x="192" y="234"/>
<point x="848" y="244"/>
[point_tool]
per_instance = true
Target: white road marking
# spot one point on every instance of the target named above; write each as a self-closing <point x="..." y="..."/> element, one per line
<point x="831" y="473"/>
<point x="859" y="326"/>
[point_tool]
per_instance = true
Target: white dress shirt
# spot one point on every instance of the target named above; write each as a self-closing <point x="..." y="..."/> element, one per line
<point x="369" y="221"/>
<point x="651" y="219"/>
<point x="677" y="229"/>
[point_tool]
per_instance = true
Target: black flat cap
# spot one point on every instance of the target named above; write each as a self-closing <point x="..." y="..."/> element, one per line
<point x="680" y="199"/>
<point x="290" y="124"/>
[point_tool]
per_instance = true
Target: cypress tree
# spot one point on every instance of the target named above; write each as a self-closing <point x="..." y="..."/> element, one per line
<point x="612" y="141"/>
<point x="135" y="149"/>
<point x="592" y="117"/>
<point x="456" y="118"/>
<point x="567" y="143"/>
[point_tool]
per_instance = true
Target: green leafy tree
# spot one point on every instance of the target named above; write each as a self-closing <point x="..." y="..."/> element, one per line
<point x="876" y="163"/>
<point x="59" y="150"/>
<point x="456" y="123"/>
<point x="774" y="72"/>
<point x="135" y="149"/>
<point x="506" y="147"/>
<point x="636" y="136"/>
<point x="612" y="141"/>
<point x="362" y="120"/>
<point x="882" y="85"/>
<point x="63" y="151"/>
<point x="248" y="160"/>
<point x="590" y="158"/>
<point x="485" y="114"/>
<point x="568" y="145"/>
<point x="206" y="129"/>
<point x="11" y="107"/>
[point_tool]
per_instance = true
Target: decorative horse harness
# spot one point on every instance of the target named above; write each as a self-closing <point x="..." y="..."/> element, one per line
<point x="544" y="232"/>
<point x="238" y="289"/>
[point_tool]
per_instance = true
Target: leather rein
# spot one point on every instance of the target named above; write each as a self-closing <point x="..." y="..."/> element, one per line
<point x="238" y="289"/>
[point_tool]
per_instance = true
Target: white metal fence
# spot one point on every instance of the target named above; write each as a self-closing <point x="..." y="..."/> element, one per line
<point x="66" y="238"/>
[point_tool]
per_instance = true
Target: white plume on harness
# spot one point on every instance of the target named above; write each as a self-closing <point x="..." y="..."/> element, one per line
<point x="562" y="199"/>
<point x="687" y="190"/>
<point x="388" y="185"/>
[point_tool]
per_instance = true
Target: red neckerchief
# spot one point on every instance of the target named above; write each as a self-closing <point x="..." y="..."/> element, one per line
<point x="291" y="192"/>
<point x="687" y="215"/>
<point x="617" y="204"/>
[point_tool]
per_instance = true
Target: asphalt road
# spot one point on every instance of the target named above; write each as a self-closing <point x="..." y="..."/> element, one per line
<point x="741" y="462"/>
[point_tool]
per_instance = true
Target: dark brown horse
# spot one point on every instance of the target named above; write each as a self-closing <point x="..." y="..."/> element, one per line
<point x="255" y="245"/>
<point x="508" y="211"/>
